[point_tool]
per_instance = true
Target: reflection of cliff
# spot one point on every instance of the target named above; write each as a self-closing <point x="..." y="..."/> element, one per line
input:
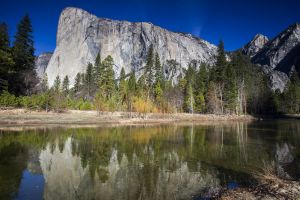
<point x="285" y="161"/>
<point x="62" y="172"/>
<point x="65" y="178"/>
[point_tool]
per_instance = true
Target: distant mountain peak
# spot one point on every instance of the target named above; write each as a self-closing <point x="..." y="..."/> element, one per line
<point x="276" y="51"/>
<point x="255" y="45"/>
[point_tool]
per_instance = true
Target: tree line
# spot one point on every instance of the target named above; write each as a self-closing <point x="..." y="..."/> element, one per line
<point x="231" y="86"/>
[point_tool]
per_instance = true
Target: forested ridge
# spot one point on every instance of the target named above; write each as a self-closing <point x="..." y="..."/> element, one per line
<point x="233" y="85"/>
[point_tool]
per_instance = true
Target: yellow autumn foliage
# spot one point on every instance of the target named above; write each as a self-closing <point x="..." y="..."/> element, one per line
<point x="141" y="105"/>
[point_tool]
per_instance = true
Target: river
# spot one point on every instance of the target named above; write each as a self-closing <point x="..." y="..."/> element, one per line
<point x="146" y="161"/>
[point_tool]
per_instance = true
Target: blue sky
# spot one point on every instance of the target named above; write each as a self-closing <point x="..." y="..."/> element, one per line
<point x="236" y="22"/>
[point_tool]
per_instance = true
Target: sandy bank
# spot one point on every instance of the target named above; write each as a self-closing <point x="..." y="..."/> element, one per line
<point x="28" y="117"/>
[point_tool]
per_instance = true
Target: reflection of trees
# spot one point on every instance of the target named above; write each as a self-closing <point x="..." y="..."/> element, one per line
<point x="148" y="162"/>
<point x="13" y="158"/>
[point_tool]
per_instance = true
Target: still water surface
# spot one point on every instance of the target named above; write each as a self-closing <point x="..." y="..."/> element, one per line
<point x="144" y="162"/>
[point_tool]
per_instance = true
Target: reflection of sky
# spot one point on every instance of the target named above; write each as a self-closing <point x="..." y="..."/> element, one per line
<point x="32" y="186"/>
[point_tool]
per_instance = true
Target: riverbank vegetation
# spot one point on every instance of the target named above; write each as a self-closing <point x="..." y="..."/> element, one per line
<point x="231" y="86"/>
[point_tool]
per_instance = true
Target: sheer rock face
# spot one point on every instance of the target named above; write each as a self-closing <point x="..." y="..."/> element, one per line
<point x="256" y="44"/>
<point x="41" y="63"/>
<point x="277" y="49"/>
<point x="277" y="56"/>
<point x="277" y="79"/>
<point x="81" y="36"/>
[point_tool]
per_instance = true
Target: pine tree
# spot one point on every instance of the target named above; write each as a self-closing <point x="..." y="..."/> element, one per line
<point x="6" y="60"/>
<point x="23" y="49"/>
<point x="4" y="38"/>
<point x="199" y="102"/>
<point x="159" y="74"/>
<point x="77" y="83"/>
<point x="230" y="90"/>
<point x="202" y="78"/>
<point x="217" y="74"/>
<point x="107" y="85"/>
<point x="132" y="90"/>
<point x="56" y="84"/>
<point x="66" y="85"/>
<point x="132" y="86"/>
<point x="97" y="69"/>
<point x="189" y="101"/>
<point x="221" y="63"/>
<point x="187" y="85"/>
<point x="212" y="100"/>
<point x="243" y="70"/>
<point x="142" y="86"/>
<point x="89" y="79"/>
<point x="123" y="85"/>
<point x="149" y="68"/>
<point x="58" y="99"/>
<point x="158" y="93"/>
<point x="190" y="74"/>
<point x="23" y="56"/>
<point x="201" y="88"/>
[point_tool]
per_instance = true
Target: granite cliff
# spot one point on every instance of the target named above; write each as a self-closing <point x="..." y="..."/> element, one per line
<point x="41" y="63"/>
<point x="81" y="36"/>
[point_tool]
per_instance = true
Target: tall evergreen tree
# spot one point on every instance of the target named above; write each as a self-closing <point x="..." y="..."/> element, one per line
<point x="107" y="85"/>
<point x="142" y="86"/>
<point x="66" y="85"/>
<point x="243" y="70"/>
<point x="202" y="79"/>
<point x="4" y="37"/>
<point x="221" y="63"/>
<point x="158" y="92"/>
<point x="89" y="79"/>
<point x="190" y="74"/>
<point x="187" y="85"/>
<point x="132" y="83"/>
<point x="56" y="84"/>
<point x="123" y="85"/>
<point x="217" y="75"/>
<point x="149" y="68"/>
<point x="201" y="88"/>
<point x="97" y="69"/>
<point x="230" y="90"/>
<point x="6" y="60"/>
<point x="23" y="49"/>
<point x="77" y="83"/>
<point x="159" y="74"/>
<point x="132" y="90"/>
<point x="189" y="100"/>
<point x="23" y="56"/>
